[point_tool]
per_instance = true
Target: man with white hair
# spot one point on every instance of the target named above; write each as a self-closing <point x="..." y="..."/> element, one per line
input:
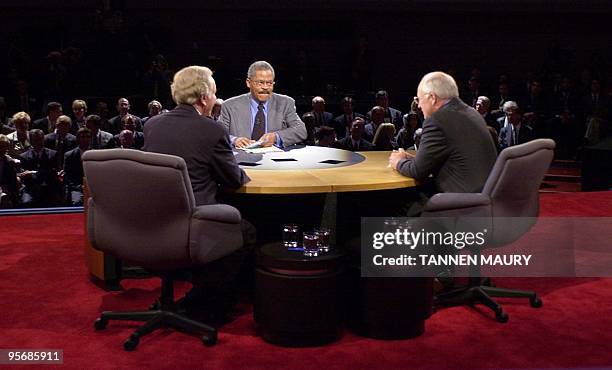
<point x="455" y="147"/>
<point x="188" y="131"/>
<point x="262" y="115"/>
<point x="322" y="118"/>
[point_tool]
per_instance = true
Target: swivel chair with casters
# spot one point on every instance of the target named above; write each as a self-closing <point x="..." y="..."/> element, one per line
<point x="142" y="210"/>
<point x="510" y="192"/>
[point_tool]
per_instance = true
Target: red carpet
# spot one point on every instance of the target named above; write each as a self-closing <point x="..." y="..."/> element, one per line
<point x="48" y="302"/>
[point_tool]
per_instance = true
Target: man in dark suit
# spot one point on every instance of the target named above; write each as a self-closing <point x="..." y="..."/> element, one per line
<point x="137" y="138"/>
<point x="322" y="118"/>
<point x="73" y="168"/>
<point x="61" y="140"/>
<point x="262" y="115"/>
<point x="47" y="124"/>
<point x="355" y="141"/>
<point x="516" y="131"/>
<point x="455" y="148"/>
<point x="123" y="108"/>
<point x="41" y="185"/>
<point x="99" y="139"/>
<point x="188" y="132"/>
<point x="342" y="123"/>
<point x="8" y="175"/>
<point x="392" y="115"/>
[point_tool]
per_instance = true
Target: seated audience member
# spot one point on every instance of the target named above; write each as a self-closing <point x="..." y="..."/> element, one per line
<point x="405" y="136"/>
<point x="20" y="138"/>
<point x="309" y="122"/>
<point x="390" y="114"/>
<point x="5" y="124"/>
<point x="497" y="103"/>
<point x="125" y="140"/>
<point x="99" y="139"/>
<point x="377" y="115"/>
<point x="61" y="140"/>
<point x="40" y="173"/>
<point x="322" y="118"/>
<point x="536" y="109"/>
<point x="564" y="129"/>
<point x="154" y="108"/>
<point x="47" y="124"/>
<point x="137" y="137"/>
<point x="79" y="110"/>
<point x="483" y="105"/>
<point x="417" y="139"/>
<point x="73" y="168"/>
<point x="325" y="136"/>
<point x="123" y="108"/>
<point x="384" y="138"/>
<point x="216" y="111"/>
<point x="355" y="141"/>
<point x="342" y="123"/>
<point x="8" y="175"/>
<point x="102" y="112"/>
<point x="494" y="137"/>
<point x="516" y="131"/>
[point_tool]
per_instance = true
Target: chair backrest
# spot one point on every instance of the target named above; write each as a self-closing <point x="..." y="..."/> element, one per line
<point x="513" y="186"/>
<point x="140" y="206"/>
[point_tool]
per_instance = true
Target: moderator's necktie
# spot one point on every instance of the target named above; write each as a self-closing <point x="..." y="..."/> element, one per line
<point x="259" y="126"/>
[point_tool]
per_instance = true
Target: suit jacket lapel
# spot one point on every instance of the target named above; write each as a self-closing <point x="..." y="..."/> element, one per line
<point x="272" y="113"/>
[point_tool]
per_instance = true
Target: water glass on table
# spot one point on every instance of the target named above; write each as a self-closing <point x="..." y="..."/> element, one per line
<point x="291" y="235"/>
<point x="323" y="233"/>
<point x="310" y="243"/>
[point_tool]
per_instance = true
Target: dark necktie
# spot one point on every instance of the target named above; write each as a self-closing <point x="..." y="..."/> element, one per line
<point x="260" y="123"/>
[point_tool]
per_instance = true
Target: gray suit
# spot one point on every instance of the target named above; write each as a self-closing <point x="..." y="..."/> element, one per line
<point x="282" y="118"/>
<point x="456" y="148"/>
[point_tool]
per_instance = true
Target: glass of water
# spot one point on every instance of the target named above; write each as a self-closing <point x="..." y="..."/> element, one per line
<point x="291" y="235"/>
<point x="311" y="244"/>
<point x="323" y="233"/>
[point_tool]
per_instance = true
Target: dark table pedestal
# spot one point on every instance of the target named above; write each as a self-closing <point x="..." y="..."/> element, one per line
<point x="388" y="307"/>
<point x="298" y="299"/>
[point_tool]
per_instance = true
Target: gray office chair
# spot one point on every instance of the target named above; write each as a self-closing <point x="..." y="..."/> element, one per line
<point x="509" y="194"/>
<point x="142" y="210"/>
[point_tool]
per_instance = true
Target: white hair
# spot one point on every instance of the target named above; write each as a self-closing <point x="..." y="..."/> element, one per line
<point x="509" y="105"/>
<point x="439" y="84"/>
<point x="318" y="99"/>
<point x="259" y="66"/>
<point x="191" y="83"/>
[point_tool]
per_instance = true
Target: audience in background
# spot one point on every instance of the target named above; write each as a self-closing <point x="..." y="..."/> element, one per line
<point x="61" y="140"/>
<point x="516" y="131"/>
<point x="20" y="138"/>
<point x="100" y="139"/>
<point x="73" y="168"/>
<point x="39" y="176"/>
<point x="47" y="124"/>
<point x="390" y="114"/>
<point x="405" y="136"/>
<point x="343" y="123"/>
<point x="79" y="110"/>
<point x="322" y="118"/>
<point x="355" y="141"/>
<point x="8" y="175"/>
<point x="115" y="124"/>
<point x="154" y="108"/>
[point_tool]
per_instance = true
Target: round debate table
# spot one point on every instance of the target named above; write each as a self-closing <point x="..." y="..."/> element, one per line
<point x="291" y="177"/>
<point x="352" y="185"/>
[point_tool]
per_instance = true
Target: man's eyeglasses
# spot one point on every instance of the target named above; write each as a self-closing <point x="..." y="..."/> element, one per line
<point x="262" y="82"/>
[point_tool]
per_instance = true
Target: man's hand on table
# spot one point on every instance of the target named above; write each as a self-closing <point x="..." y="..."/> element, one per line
<point x="398" y="155"/>
<point x="242" y="142"/>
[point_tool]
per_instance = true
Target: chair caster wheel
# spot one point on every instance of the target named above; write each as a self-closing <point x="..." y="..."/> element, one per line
<point x="209" y="340"/>
<point x="130" y="344"/>
<point x="100" y="323"/>
<point x="501" y="317"/>
<point x="535" y="302"/>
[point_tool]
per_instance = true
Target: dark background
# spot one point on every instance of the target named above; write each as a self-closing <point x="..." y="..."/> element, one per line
<point x="405" y="40"/>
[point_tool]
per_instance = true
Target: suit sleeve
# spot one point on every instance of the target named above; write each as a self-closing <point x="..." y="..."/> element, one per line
<point x="225" y="119"/>
<point x="431" y="155"/>
<point x="295" y="132"/>
<point x="224" y="167"/>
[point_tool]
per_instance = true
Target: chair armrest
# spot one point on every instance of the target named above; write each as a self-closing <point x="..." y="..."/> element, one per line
<point x="454" y="201"/>
<point x="217" y="212"/>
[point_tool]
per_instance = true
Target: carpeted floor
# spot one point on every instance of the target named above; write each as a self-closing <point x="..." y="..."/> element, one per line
<point x="47" y="301"/>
